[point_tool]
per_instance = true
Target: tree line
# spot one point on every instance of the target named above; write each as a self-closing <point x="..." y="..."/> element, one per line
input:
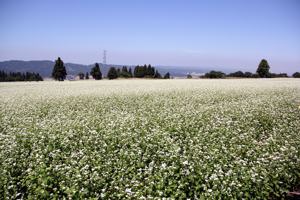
<point x="146" y="71"/>
<point x="263" y="71"/>
<point x="19" y="76"/>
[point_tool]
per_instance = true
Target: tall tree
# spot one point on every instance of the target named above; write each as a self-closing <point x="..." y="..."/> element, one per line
<point x="112" y="73"/>
<point x="296" y="75"/>
<point x="167" y="75"/>
<point x="157" y="74"/>
<point x="96" y="72"/>
<point x="87" y="76"/>
<point x="81" y="75"/>
<point x="59" y="70"/>
<point x="130" y="73"/>
<point x="263" y="69"/>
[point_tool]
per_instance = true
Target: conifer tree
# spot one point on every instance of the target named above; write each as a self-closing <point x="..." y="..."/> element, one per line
<point x="96" y="72"/>
<point x="87" y="76"/>
<point x="112" y="73"/>
<point x="157" y="74"/>
<point x="130" y="73"/>
<point x="167" y="75"/>
<point x="59" y="70"/>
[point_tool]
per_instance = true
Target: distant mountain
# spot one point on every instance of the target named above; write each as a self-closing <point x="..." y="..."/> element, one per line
<point x="44" y="68"/>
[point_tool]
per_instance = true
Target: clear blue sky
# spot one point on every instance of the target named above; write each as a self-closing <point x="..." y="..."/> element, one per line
<point x="204" y="33"/>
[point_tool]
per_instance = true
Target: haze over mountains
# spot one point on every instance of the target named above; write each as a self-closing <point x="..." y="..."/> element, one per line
<point x="44" y="68"/>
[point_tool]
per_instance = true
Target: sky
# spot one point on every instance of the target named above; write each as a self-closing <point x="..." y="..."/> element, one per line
<point x="235" y="34"/>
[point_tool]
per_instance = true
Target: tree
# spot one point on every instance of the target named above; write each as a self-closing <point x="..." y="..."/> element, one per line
<point x="296" y="75"/>
<point x="189" y="76"/>
<point x="112" y="73"/>
<point x="130" y="73"/>
<point x="81" y="76"/>
<point x="18" y="76"/>
<point x="118" y="72"/>
<point x="239" y="74"/>
<point x="167" y="75"/>
<point x="87" y="76"/>
<point x="215" y="74"/>
<point x="157" y="74"/>
<point x="248" y="74"/>
<point x="125" y="73"/>
<point x="96" y="73"/>
<point x="59" y="71"/>
<point x="263" y="69"/>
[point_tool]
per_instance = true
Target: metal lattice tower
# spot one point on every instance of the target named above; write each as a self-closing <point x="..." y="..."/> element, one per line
<point x="104" y="57"/>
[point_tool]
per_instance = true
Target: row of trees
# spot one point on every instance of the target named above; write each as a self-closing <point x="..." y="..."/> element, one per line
<point x="263" y="71"/>
<point x="147" y="71"/>
<point x="113" y="73"/>
<point x="18" y="76"/>
<point x="59" y="72"/>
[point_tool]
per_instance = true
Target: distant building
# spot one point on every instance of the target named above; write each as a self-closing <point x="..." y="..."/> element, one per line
<point x="70" y="78"/>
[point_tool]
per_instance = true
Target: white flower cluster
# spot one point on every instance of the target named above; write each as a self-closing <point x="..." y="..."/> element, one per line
<point x="145" y="139"/>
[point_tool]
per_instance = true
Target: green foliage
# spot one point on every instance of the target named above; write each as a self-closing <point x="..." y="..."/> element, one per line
<point x="263" y="69"/>
<point x="81" y="76"/>
<point x="280" y="75"/>
<point x="238" y="74"/>
<point x="59" y="70"/>
<point x="296" y="75"/>
<point x="167" y="75"/>
<point x="96" y="72"/>
<point x="189" y="76"/>
<point x="18" y="76"/>
<point x="145" y="72"/>
<point x="157" y="75"/>
<point x="112" y="73"/>
<point x="215" y="74"/>
<point x="130" y="73"/>
<point x="87" y="76"/>
<point x="154" y="139"/>
<point x="125" y="73"/>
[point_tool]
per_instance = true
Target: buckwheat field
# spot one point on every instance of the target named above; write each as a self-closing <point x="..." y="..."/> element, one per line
<point x="150" y="139"/>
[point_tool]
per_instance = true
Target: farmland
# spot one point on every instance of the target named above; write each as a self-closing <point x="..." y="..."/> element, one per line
<point x="143" y="139"/>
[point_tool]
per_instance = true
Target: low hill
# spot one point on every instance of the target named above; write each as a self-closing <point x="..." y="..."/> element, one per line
<point x="44" y="68"/>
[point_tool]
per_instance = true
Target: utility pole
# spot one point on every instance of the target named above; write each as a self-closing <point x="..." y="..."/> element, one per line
<point x="104" y="57"/>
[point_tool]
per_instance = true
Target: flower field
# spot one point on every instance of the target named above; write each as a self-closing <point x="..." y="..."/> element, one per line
<point x="150" y="139"/>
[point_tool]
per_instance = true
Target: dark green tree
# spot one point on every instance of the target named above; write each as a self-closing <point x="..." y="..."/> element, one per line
<point x="87" y="76"/>
<point x="118" y="72"/>
<point x="112" y="73"/>
<point x="96" y="72"/>
<point x="81" y="75"/>
<point x="157" y="74"/>
<point x="59" y="70"/>
<point x="167" y="75"/>
<point x="215" y="74"/>
<point x="296" y="75"/>
<point x="130" y="73"/>
<point x="263" y="69"/>
<point x="125" y="73"/>
<point x="18" y="76"/>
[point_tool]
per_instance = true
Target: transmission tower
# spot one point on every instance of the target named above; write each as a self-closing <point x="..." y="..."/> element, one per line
<point x="104" y="57"/>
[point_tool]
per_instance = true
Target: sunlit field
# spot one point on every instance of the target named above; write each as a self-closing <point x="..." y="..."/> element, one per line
<point x="144" y="139"/>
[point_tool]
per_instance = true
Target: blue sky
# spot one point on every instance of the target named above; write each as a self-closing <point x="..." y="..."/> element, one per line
<point x="201" y="33"/>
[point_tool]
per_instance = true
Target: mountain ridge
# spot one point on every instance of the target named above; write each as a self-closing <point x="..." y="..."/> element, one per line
<point x="44" y="68"/>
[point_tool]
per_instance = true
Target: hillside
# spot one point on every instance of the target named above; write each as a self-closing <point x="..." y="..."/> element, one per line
<point x="44" y="68"/>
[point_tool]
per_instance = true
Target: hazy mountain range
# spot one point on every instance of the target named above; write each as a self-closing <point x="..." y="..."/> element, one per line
<point x="44" y="68"/>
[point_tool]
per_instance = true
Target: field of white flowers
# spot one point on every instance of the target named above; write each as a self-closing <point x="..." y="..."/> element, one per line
<point x="144" y="139"/>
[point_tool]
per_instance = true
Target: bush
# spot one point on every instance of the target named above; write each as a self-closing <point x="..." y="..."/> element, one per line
<point x="296" y="75"/>
<point x="215" y="74"/>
